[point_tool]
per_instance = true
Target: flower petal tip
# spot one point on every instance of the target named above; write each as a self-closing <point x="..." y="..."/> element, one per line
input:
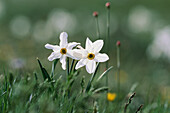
<point x="47" y="46"/>
<point x="50" y="59"/>
<point x="64" y="34"/>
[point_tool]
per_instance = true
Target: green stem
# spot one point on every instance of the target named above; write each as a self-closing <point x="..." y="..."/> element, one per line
<point x="97" y="28"/>
<point x="118" y="71"/>
<point x="67" y="67"/>
<point x="72" y="64"/>
<point x="107" y="39"/>
<point x="53" y="67"/>
<point x="68" y="77"/>
<point x="75" y="66"/>
<point x="107" y="49"/>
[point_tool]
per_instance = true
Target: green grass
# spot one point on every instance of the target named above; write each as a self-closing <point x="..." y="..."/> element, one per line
<point x="44" y="93"/>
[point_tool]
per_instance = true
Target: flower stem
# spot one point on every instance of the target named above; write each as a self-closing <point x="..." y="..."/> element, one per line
<point x="118" y="70"/>
<point x="97" y="27"/>
<point x="107" y="49"/>
<point x="107" y="39"/>
<point x="53" y="67"/>
<point x="67" y="67"/>
<point x="67" y="73"/>
<point x="71" y="67"/>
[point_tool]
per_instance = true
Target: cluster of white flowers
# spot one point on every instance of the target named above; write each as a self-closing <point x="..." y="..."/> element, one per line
<point x="87" y="57"/>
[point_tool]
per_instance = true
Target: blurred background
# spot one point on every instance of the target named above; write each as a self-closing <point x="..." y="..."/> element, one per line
<point x="143" y="27"/>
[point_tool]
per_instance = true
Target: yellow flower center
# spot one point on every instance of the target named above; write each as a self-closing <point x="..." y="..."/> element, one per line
<point x="63" y="51"/>
<point x="111" y="96"/>
<point x="90" y="56"/>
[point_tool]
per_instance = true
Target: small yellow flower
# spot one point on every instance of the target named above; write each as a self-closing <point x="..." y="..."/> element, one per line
<point x="111" y="96"/>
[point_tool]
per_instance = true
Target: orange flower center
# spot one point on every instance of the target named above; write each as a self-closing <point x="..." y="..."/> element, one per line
<point x="63" y="51"/>
<point x="90" y="56"/>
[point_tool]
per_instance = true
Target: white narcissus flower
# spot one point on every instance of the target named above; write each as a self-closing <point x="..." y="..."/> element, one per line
<point x="90" y="55"/>
<point x="62" y="51"/>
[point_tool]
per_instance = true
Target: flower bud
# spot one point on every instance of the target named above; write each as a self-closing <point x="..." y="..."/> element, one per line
<point x="108" y="4"/>
<point x="95" y="14"/>
<point x="118" y="43"/>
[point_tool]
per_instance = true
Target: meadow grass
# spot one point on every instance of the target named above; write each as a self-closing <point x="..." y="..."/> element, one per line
<point x="29" y="93"/>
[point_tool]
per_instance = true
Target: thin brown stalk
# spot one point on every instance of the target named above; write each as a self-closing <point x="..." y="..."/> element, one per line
<point x="129" y="101"/>
<point x="140" y="107"/>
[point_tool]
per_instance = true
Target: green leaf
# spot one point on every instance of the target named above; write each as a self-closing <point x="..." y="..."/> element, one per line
<point x="101" y="89"/>
<point x="82" y="83"/>
<point x="11" y="78"/>
<point x="44" y="72"/>
<point x="104" y="73"/>
<point x="95" y="107"/>
<point x="35" y="75"/>
<point x="91" y="79"/>
<point x="3" y="93"/>
<point x="132" y="89"/>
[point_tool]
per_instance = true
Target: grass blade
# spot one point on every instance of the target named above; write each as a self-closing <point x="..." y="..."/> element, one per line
<point x="44" y="72"/>
<point x="104" y="73"/>
<point x="101" y="89"/>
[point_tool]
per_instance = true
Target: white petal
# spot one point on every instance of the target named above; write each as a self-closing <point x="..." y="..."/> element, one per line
<point x="81" y="63"/>
<point x="63" y="39"/>
<point x="80" y="47"/>
<point x="72" y="44"/>
<point x="91" y="66"/>
<point x="80" y="53"/>
<point x="101" y="57"/>
<point x="70" y="54"/>
<point x="63" y="61"/>
<point x="54" y="55"/>
<point x="97" y="46"/>
<point x="53" y="47"/>
<point x="89" y="44"/>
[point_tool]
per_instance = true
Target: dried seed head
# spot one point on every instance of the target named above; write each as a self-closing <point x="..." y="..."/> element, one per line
<point x="118" y="43"/>
<point x="108" y="4"/>
<point x="95" y="14"/>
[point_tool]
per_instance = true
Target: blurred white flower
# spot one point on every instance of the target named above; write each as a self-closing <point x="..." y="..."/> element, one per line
<point x="62" y="51"/>
<point x="20" y="26"/>
<point x="140" y="19"/>
<point x="42" y="31"/>
<point x="58" y="20"/>
<point x="160" y="46"/>
<point x="90" y="55"/>
<point x="2" y="9"/>
<point x="17" y="63"/>
<point x="61" y="20"/>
